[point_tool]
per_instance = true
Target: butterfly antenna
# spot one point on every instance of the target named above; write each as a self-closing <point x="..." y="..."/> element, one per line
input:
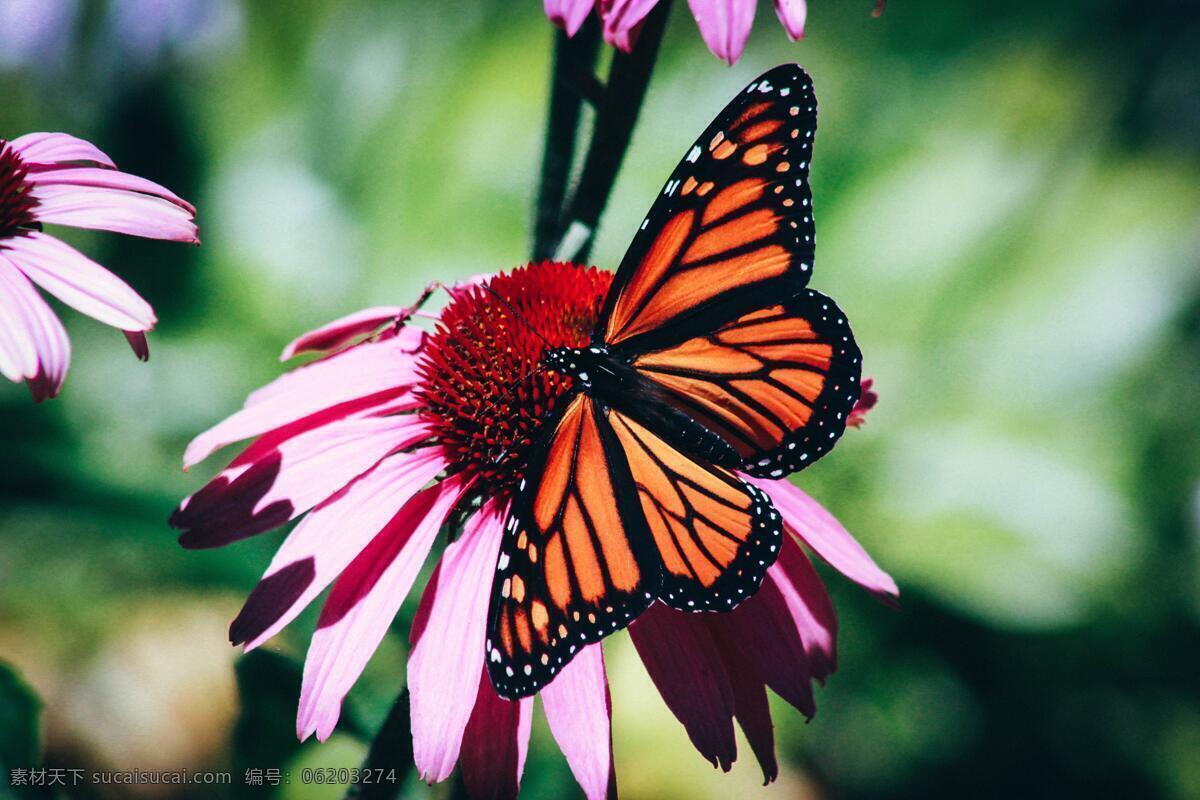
<point x="517" y="314"/>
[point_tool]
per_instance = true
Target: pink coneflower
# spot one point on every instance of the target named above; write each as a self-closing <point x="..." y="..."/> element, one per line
<point x="53" y="178"/>
<point x="724" y="24"/>
<point x="396" y="432"/>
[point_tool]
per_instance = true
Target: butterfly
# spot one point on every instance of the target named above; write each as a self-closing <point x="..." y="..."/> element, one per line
<point x="710" y="358"/>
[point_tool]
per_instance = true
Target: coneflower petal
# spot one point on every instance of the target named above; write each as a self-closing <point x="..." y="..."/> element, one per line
<point x="683" y="660"/>
<point x="248" y="499"/>
<point x="341" y="332"/>
<point x="818" y="529"/>
<point x="114" y="210"/>
<point x="725" y="25"/>
<point x="808" y="606"/>
<point x="33" y="344"/>
<point x="79" y="282"/>
<point x="751" y="708"/>
<point x="328" y="540"/>
<point x="100" y="178"/>
<point x="792" y="14"/>
<point x="381" y="370"/>
<point x="446" y="660"/>
<point x="494" y="745"/>
<point x="56" y="148"/>
<point x="568" y="14"/>
<point x="579" y="712"/>
<point x="363" y="602"/>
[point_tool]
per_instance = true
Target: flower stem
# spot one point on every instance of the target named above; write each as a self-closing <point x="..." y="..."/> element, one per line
<point x="616" y="117"/>
<point x="390" y="752"/>
<point x="574" y="65"/>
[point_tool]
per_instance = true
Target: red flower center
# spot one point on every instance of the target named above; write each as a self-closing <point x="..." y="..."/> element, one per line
<point x="480" y="385"/>
<point x="16" y="206"/>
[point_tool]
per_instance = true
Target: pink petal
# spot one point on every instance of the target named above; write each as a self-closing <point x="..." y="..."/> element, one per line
<point x="725" y="25"/>
<point x="568" y="14"/>
<point x="808" y="605"/>
<point x="445" y="662"/>
<point x="750" y="705"/>
<point x="33" y="344"/>
<point x="792" y="13"/>
<point x="622" y="19"/>
<point x="818" y="529"/>
<point x="341" y="331"/>
<point x="579" y="712"/>
<point x="361" y="377"/>
<point x="494" y="744"/>
<point x="53" y="148"/>
<point x="139" y="345"/>
<point x="685" y="664"/>
<point x="104" y="179"/>
<point x="327" y="540"/>
<point x="763" y="631"/>
<point x="247" y="499"/>
<point x="363" y="602"/>
<point x="79" y="282"/>
<point x="114" y="210"/>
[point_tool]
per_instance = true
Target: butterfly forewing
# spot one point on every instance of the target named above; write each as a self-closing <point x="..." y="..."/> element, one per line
<point x="576" y="561"/>
<point x="733" y="223"/>
<point x="777" y="383"/>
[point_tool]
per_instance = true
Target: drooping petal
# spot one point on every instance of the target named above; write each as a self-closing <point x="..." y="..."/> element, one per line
<point x="568" y="14"/>
<point x="446" y="659"/>
<point x="79" y="282"/>
<point x="579" y="712"/>
<point x="248" y="499"/>
<point x="137" y="343"/>
<point x="818" y="529"/>
<point x="763" y="631"/>
<point x="363" y="602"/>
<point x="341" y="332"/>
<point x="114" y="210"/>
<point x="101" y="178"/>
<point x="373" y="372"/>
<point x="33" y="344"/>
<point x="792" y="13"/>
<point x="495" y="743"/>
<point x="54" y="148"/>
<point x="327" y="540"/>
<point x="682" y="659"/>
<point x="725" y="25"/>
<point x="808" y="605"/>
<point x="750" y="705"/>
<point x="622" y="19"/>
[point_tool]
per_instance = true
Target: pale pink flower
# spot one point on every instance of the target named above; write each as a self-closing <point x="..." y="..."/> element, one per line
<point x="53" y="178"/>
<point x="395" y="431"/>
<point x="724" y="24"/>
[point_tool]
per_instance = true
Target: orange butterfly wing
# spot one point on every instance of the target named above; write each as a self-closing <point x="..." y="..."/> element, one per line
<point x="733" y="223"/>
<point x="714" y="533"/>
<point x="576" y="562"/>
<point x="777" y="383"/>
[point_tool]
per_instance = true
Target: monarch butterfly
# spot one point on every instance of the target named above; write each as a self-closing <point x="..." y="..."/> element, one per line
<point x="710" y="358"/>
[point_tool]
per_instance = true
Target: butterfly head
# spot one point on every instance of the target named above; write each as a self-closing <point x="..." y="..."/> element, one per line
<point x="582" y="364"/>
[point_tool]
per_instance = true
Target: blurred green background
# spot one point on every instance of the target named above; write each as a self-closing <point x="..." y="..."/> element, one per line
<point x="1008" y="205"/>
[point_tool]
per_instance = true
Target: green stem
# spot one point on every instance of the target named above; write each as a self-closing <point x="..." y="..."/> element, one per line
<point x="616" y="117"/>
<point x="570" y="79"/>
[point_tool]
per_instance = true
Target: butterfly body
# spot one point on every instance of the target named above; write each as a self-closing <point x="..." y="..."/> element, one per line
<point x="711" y="358"/>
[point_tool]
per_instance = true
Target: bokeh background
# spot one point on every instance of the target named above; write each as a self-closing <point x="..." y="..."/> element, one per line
<point x="1008" y="206"/>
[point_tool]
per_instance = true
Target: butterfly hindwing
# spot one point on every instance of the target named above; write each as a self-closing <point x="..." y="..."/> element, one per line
<point x="576" y="561"/>
<point x="733" y="223"/>
<point x="715" y="534"/>
<point x="777" y="383"/>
